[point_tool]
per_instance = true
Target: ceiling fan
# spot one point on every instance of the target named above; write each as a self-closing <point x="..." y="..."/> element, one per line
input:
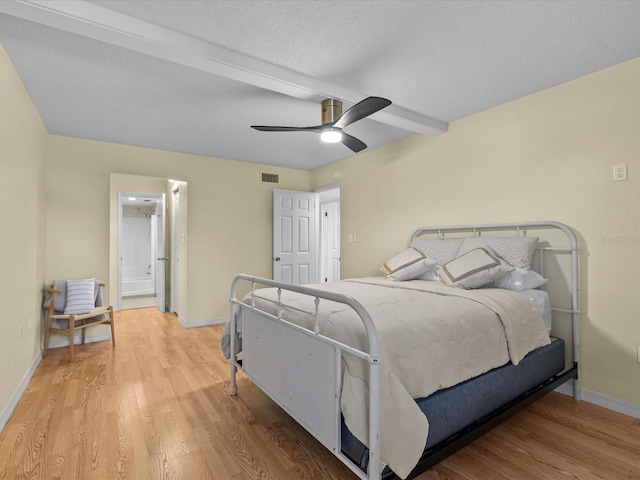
<point x="333" y="121"/>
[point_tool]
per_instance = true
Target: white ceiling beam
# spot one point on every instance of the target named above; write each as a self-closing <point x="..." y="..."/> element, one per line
<point x="115" y="28"/>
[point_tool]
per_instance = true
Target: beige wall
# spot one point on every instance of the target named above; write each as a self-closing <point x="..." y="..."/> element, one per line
<point x="23" y="140"/>
<point x="548" y="156"/>
<point x="229" y="212"/>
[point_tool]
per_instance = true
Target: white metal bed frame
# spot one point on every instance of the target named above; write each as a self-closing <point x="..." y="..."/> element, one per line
<point x="300" y="369"/>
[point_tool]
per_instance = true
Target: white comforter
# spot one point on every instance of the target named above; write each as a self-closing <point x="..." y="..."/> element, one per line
<point x="432" y="336"/>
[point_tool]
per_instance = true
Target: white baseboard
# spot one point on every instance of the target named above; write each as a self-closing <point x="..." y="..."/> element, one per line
<point x="602" y="400"/>
<point x="203" y="323"/>
<point x="15" y="398"/>
<point x="611" y="403"/>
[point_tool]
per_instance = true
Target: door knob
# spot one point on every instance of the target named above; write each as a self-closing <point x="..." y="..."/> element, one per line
<point x="163" y="258"/>
<point x="277" y="259"/>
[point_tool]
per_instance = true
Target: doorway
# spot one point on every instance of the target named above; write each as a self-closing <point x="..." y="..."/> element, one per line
<point x="141" y="250"/>
<point x="154" y="188"/>
<point x="329" y="234"/>
<point x="306" y="236"/>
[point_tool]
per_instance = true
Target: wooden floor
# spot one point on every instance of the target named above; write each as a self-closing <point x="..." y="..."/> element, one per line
<point x="157" y="407"/>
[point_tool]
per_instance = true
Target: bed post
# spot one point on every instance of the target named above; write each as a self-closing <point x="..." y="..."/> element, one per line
<point x="373" y="470"/>
<point x="575" y="302"/>
<point x="233" y="386"/>
<point x="575" y="311"/>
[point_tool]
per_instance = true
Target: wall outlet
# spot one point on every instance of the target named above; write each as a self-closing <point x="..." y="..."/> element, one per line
<point x="620" y="172"/>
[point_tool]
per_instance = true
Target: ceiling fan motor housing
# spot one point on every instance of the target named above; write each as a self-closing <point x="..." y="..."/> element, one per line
<point x="331" y="110"/>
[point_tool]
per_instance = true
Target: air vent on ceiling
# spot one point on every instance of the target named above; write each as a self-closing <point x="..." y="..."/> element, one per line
<point x="270" y="178"/>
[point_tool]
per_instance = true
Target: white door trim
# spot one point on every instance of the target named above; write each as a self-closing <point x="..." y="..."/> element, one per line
<point x="176" y="249"/>
<point x="160" y="198"/>
<point x="160" y="272"/>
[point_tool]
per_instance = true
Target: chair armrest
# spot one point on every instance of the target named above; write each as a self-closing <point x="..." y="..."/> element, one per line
<point x="53" y="290"/>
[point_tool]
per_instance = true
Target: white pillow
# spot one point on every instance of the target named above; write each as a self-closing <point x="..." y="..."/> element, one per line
<point x="474" y="269"/>
<point x="406" y="265"/>
<point x="516" y="251"/>
<point x="80" y="296"/>
<point x="431" y="275"/>
<point x="440" y="250"/>
<point x="520" y="279"/>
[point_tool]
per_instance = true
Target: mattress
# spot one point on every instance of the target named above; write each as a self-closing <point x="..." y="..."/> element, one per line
<point x="540" y="299"/>
<point x="452" y="409"/>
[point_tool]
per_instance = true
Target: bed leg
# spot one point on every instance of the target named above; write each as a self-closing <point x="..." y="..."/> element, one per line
<point x="233" y="386"/>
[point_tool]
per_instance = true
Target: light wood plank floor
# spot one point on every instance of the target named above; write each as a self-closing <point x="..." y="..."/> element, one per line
<point x="157" y="407"/>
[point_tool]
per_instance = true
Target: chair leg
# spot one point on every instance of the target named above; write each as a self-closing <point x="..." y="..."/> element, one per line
<point x="47" y="335"/>
<point x="113" y="327"/>
<point x="71" y="335"/>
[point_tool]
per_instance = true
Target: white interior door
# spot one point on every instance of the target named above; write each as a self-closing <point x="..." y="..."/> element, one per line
<point x="330" y="238"/>
<point x="161" y="257"/>
<point x="294" y="237"/>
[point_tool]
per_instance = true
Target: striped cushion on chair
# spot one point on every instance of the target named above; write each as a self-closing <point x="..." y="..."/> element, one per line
<point x="81" y="296"/>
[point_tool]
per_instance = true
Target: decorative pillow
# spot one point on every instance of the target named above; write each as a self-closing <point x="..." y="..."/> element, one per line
<point x="406" y="265"/>
<point x="442" y="251"/>
<point x="474" y="269"/>
<point x="516" y="251"/>
<point x="80" y="296"/>
<point x="520" y="279"/>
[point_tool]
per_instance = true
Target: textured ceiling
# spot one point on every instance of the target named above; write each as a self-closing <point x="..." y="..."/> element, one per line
<point x="445" y="60"/>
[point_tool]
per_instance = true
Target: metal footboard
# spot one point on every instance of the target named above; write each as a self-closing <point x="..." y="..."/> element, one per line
<point x="300" y="369"/>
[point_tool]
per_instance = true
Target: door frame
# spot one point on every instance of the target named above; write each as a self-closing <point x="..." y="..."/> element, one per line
<point x="321" y="195"/>
<point x="160" y="199"/>
<point x="175" y="254"/>
<point x="335" y="191"/>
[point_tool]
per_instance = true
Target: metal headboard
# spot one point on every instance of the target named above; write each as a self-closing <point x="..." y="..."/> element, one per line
<point x="550" y="244"/>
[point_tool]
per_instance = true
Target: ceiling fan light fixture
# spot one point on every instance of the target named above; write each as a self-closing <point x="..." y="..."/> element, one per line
<point x="331" y="135"/>
<point x="333" y="121"/>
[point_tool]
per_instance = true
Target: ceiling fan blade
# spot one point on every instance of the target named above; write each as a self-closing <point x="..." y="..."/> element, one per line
<point x="268" y="128"/>
<point x="362" y="109"/>
<point x="353" y="143"/>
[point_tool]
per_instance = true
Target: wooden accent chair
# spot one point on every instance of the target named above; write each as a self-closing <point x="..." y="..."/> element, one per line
<point x="99" y="314"/>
